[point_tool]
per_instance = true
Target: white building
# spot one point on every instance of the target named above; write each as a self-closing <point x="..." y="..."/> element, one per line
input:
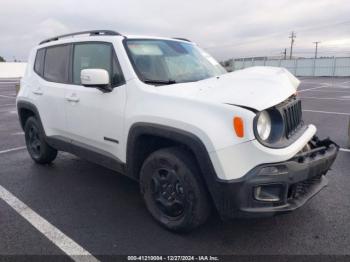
<point x="12" y="70"/>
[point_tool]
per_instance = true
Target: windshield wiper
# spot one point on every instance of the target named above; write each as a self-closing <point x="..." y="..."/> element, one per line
<point x="159" y="82"/>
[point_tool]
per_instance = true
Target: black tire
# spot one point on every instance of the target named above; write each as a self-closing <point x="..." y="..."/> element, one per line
<point x="173" y="190"/>
<point x="37" y="147"/>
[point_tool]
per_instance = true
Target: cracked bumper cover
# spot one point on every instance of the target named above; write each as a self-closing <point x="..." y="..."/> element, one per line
<point x="298" y="179"/>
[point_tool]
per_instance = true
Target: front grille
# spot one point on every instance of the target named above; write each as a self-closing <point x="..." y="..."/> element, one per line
<point x="292" y="116"/>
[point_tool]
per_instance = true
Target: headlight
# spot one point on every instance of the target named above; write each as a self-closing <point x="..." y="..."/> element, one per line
<point x="263" y="125"/>
<point x="269" y="128"/>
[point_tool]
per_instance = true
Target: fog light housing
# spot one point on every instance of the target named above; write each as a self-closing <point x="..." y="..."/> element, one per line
<point x="269" y="193"/>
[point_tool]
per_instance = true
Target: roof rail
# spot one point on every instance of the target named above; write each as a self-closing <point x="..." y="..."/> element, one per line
<point x="183" y="39"/>
<point x="91" y="33"/>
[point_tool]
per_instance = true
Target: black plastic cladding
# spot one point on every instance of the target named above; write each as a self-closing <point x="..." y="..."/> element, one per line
<point x="235" y="198"/>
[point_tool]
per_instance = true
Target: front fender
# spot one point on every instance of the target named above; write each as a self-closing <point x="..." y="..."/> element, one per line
<point x="212" y="123"/>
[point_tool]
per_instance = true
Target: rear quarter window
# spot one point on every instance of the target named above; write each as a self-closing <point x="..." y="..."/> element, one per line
<point x="39" y="62"/>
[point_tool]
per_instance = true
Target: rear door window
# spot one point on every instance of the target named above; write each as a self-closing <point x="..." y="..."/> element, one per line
<point x="57" y="63"/>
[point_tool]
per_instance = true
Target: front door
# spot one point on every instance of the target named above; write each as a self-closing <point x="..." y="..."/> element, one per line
<point x="94" y="118"/>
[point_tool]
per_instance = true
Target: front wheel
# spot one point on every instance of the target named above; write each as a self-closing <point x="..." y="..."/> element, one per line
<point x="173" y="190"/>
<point x="37" y="147"/>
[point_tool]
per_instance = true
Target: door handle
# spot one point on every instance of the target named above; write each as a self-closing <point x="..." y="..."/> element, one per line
<point x="73" y="98"/>
<point x="38" y="92"/>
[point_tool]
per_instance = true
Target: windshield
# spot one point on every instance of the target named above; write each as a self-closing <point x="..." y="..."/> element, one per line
<point x="168" y="62"/>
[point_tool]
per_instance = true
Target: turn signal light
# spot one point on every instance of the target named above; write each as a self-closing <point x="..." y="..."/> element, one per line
<point x="238" y="126"/>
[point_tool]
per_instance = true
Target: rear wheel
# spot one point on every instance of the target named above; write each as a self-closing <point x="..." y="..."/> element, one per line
<point x="37" y="147"/>
<point x="173" y="190"/>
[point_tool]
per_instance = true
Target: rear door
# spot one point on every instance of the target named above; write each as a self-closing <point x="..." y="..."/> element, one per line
<point x="52" y="66"/>
<point x="94" y="118"/>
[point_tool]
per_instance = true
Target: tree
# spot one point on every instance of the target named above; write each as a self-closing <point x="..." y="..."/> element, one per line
<point x="2" y="59"/>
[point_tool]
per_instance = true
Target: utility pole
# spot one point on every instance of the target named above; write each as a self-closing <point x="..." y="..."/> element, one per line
<point x="284" y="53"/>
<point x="316" y="47"/>
<point x="292" y="36"/>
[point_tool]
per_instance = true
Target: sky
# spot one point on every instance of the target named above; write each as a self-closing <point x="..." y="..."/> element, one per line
<point x="225" y="28"/>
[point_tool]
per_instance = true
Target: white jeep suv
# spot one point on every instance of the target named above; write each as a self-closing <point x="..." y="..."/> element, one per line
<point x="165" y="113"/>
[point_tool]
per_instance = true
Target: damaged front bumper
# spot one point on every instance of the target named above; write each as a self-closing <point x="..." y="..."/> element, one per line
<point x="275" y="188"/>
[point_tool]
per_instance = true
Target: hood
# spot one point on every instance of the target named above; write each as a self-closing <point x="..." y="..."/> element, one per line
<point x="255" y="87"/>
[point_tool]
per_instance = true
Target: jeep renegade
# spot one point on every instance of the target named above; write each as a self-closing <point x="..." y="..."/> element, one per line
<point x="164" y="112"/>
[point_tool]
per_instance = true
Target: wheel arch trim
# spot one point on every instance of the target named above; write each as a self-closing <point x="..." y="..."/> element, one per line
<point x="29" y="106"/>
<point x="177" y="135"/>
